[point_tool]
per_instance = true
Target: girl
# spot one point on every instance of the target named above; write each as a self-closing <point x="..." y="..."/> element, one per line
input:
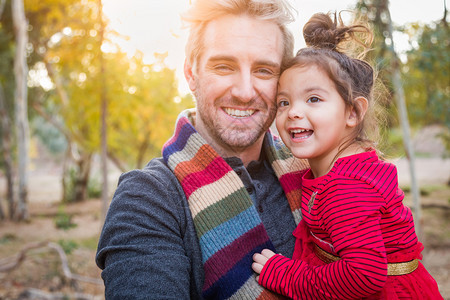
<point x="356" y="238"/>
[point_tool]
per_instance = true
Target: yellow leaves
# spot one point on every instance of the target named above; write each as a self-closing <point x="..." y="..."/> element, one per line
<point x="143" y="100"/>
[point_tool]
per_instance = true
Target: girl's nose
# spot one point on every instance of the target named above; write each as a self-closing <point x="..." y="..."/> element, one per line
<point x="295" y="113"/>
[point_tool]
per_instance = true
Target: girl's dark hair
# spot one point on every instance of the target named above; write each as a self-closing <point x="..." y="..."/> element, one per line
<point x="331" y="47"/>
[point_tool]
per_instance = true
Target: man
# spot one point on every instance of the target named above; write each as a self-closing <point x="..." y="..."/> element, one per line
<point x="187" y="225"/>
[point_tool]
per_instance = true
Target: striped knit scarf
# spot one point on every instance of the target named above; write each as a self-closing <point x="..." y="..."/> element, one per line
<point x="228" y="226"/>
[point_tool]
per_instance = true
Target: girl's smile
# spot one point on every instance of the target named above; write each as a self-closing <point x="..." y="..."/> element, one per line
<point x="298" y="134"/>
<point x="312" y="118"/>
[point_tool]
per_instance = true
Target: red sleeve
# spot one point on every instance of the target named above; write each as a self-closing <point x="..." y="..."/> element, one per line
<point x="352" y="219"/>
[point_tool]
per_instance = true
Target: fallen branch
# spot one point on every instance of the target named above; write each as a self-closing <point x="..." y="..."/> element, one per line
<point x="8" y="264"/>
<point x="66" y="268"/>
<point x="439" y="206"/>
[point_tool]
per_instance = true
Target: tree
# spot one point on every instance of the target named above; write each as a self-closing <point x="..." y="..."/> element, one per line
<point x="379" y="15"/>
<point x="6" y="104"/>
<point x="141" y="106"/>
<point x="104" y="108"/>
<point x="21" y="107"/>
<point x="427" y="73"/>
<point x="65" y="39"/>
<point x="6" y="151"/>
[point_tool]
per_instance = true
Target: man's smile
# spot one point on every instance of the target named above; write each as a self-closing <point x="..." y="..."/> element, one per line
<point x="238" y="113"/>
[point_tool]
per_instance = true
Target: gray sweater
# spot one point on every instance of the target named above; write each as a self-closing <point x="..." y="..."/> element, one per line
<point x="148" y="247"/>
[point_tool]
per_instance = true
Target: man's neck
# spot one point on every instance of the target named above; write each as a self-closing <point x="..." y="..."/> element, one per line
<point x="247" y="155"/>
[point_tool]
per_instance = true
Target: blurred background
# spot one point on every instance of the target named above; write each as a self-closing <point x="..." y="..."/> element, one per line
<point x="90" y="89"/>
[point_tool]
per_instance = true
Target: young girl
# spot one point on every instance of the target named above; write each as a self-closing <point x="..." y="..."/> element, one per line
<point x="356" y="238"/>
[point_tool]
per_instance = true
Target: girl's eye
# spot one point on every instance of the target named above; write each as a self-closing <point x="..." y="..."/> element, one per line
<point x="313" y="100"/>
<point x="283" y="103"/>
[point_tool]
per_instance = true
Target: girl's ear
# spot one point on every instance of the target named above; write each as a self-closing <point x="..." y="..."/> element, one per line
<point x="353" y="118"/>
<point x="189" y="75"/>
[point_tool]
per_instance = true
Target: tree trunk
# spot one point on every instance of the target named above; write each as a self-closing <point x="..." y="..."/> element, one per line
<point x="117" y="162"/>
<point x="7" y="154"/>
<point x="2" y="6"/>
<point x="22" y="127"/>
<point x="81" y="181"/>
<point x="141" y="153"/>
<point x="104" y="112"/>
<point x="403" y="115"/>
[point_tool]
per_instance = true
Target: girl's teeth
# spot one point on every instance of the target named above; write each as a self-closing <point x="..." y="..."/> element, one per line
<point x="301" y="133"/>
<point x="298" y="130"/>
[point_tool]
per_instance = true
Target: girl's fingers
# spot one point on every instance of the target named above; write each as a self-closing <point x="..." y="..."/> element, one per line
<point x="257" y="267"/>
<point x="259" y="258"/>
<point x="267" y="253"/>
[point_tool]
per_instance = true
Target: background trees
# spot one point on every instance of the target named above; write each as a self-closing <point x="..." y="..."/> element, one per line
<point x="425" y="69"/>
<point x="428" y="71"/>
<point x="64" y="81"/>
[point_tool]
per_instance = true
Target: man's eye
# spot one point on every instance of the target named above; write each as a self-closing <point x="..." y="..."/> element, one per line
<point x="265" y="73"/>
<point x="222" y="67"/>
<point x="313" y="100"/>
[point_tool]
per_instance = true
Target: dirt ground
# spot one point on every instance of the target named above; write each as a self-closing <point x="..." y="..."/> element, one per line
<point x="41" y="275"/>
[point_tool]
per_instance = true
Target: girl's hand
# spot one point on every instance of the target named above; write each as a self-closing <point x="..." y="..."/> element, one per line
<point x="260" y="259"/>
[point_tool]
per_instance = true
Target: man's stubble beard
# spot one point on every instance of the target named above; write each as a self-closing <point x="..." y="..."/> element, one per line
<point x="232" y="138"/>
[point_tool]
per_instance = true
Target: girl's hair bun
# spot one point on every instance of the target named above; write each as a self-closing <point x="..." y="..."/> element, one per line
<point x="328" y="31"/>
<point x="321" y="32"/>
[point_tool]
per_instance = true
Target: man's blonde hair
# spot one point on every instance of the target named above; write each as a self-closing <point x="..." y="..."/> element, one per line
<point x="203" y="11"/>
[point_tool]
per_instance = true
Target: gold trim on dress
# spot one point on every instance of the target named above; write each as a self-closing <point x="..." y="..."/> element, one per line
<point x="393" y="269"/>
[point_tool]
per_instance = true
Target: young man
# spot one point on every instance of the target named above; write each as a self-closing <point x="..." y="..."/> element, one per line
<point x="187" y="225"/>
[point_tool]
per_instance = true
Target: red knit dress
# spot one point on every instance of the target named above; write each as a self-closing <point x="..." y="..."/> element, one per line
<point x="354" y="213"/>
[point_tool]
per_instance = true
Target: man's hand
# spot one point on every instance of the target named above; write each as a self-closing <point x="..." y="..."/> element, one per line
<point x="260" y="259"/>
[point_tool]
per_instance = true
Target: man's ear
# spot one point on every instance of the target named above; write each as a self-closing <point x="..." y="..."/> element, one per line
<point x="189" y="75"/>
<point x="353" y="118"/>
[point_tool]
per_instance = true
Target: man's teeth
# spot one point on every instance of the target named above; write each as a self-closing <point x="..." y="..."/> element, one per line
<point x="239" y="113"/>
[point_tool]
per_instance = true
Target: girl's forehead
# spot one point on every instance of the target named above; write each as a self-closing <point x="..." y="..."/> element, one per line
<point x="299" y="80"/>
<point x="305" y="73"/>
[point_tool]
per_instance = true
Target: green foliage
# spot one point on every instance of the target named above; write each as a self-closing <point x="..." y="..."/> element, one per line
<point x="425" y="192"/>
<point x="89" y="243"/>
<point x="373" y="11"/>
<point x="425" y="70"/>
<point x="142" y="109"/>
<point x="406" y="189"/>
<point x="445" y="136"/>
<point x="63" y="220"/>
<point x="6" y="42"/>
<point x="68" y="245"/>
<point x="94" y="188"/>
<point x="69" y="191"/>
<point x="427" y="73"/>
<point x="392" y="143"/>
<point x="143" y="100"/>
<point x="7" y="238"/>
<point x="7" y="60"/>
<point x="49" y="135"/>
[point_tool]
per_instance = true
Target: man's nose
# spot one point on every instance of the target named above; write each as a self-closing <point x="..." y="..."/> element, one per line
<point x="244" y="87"/>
